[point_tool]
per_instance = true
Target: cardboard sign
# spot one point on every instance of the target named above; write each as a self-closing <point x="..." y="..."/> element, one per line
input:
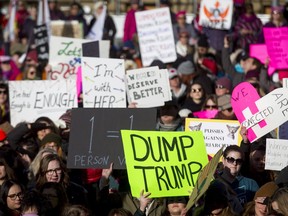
<point x="276" y="154"/>
<point x="156" y="39"/>
<point x="276" y="40"/>
<point x="65" y="57"/>
<point x="95" y="139"/>
<point x="204" y="179"/>
<point x="42" y="42"/>
<point x="71" y="29"/>
<point x="96" y="49"/>
<point x="32" y="99"/>
<point x="103" y="82"/>
<point x="163" y="163"/>
<point x="217" y="133"/>
<point x="216" y="14"/>
<point x="259" y="51"/>
<point x="206" y="114"/>
<point x="148" y="87"/>
<point x="259" y="115"/>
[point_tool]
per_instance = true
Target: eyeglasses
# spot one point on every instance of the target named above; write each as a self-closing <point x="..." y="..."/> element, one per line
<point x="232" y="160"/>
<point x="211" y="106"/>
<point x="3" y="92"/>
<point x="196" y="90"/>
<point x="220" y="87"/>
<point x="52" y="171"/>
<point x="14" y="196"/>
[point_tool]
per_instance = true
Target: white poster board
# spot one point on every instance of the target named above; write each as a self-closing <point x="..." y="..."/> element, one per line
<point x="32" y="99"/>
<point x="276" y="154"/>
<point x="148" y="87"/>
<point x="217" y="133"/>
<point x="64" y="57"/>
<point x="216" y="14"/>
<point x="155" y="33"/>
<point x="103" y="83"/>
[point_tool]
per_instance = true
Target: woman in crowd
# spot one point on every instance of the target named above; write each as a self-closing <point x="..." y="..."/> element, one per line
<point x="195" y="98"/>
<point x="11" y="195"/>
<point x="52" y="169"/>
<point x="4" y="104"/>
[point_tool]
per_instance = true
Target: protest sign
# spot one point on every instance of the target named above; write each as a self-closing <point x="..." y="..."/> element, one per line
<point x="259" y="51"/>
<point x="71" y="29"/>
<point x="42" y="42"/>
<point x="156" y="40"/>
<point x="163" y="163"/>
<point x="276" y="40"/>
<point x="148" y="87"/>
<point x="103" y="82"/>
<point x="217" y="133"/>
<point x="32" y="99"/>
<point x="95" y="139"/>
<point x="259" y="115"/>
<point x="276" y="154"/>
<point x="64" y="57"/>
<point x="206" y="114"/>
<point x="204" y="179"/>
<point x="216" y="14"/>
<point x="96" y="49"/>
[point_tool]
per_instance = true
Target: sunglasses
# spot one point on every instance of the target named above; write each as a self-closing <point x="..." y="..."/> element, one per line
<point x="229" y="109"/>
<point x="3" y="92"/>
<point x="196" y="90"/>
<point x="211" y="107"/>
<point x="232" y="160"/>
<point x="219" y="87"/>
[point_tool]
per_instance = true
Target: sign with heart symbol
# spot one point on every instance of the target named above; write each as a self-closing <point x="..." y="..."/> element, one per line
<point x="259" y="115"/>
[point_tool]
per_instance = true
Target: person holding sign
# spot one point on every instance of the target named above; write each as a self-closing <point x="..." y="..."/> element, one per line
<point x="232" y="160"/>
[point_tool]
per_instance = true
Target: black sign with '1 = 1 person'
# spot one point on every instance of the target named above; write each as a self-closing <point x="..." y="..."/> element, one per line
<point x="95" y="138"/>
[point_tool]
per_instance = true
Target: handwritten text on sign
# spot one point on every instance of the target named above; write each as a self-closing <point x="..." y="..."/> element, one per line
<point x="103" y="82"/>
<point x="163" y="163"/>
<point x="65" y="57"/>
<point x="32" y="99"/>
<point x="276" y="154"/>
<point x="148" y="86"/>
<point x="155" y="34"/>
<point x="276" y="40"/>
<point x="259" y="115"/>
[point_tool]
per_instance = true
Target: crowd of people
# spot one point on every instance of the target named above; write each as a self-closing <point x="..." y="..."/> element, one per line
<point x="34" y="179"/>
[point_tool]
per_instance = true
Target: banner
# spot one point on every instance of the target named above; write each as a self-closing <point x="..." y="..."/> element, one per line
<point x="217" y="133"/>
<point x="259" y="115"/>
<point x="64" y="57"/>
<point x="103" y="83"/>
<point x="95" y="139"/>
<point x="148" y="87"/>
<point x="32" y="99"/>
<point x="42" y="42"/>
<point x="155" y="34"/>
<point x="276" y="40"/>
<point x="163" y="163"/>
<point x="276" y="154"/>
<point x="216" y="14"/>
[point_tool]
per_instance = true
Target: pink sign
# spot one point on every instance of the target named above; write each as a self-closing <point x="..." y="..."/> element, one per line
<point x="276" y="40"/>
<point x="207" y="114"/>
<point x="259" y="51"/>
<point x="79" y="81"/>
<point x="243" y="100"/>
